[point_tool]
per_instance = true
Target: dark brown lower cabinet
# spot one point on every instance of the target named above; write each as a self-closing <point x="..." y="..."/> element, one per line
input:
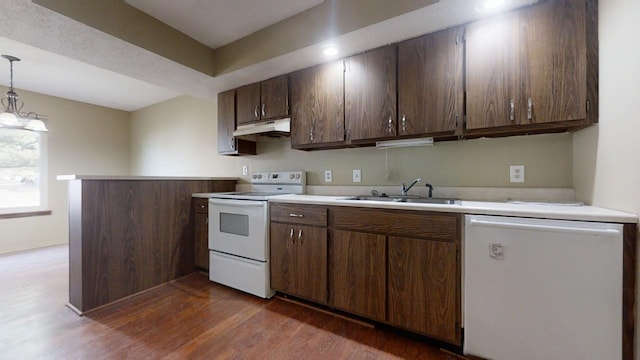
<point x="201" y="233"/>
<point x="396" y="267"/>
<point x="299" y="261"/>
<point x="358" y="280"/>
<point x="423" y="286"/>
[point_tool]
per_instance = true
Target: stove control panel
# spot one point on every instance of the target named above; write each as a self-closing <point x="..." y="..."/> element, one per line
<point x="279" y="177"/>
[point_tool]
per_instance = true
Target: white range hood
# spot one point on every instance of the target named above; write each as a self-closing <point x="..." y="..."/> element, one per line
<point x="281" y="127"/>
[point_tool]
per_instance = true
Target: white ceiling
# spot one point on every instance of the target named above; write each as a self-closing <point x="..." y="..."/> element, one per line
<point x="219" y="22"/>
<point x="65" y="58"/>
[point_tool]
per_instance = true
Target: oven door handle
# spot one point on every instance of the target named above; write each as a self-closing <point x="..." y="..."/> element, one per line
<point x="242" y="203"/>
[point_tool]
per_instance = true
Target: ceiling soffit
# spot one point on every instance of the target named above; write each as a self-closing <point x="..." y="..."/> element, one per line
<point x="323" y="22"/>
<point x="127" y="23"/>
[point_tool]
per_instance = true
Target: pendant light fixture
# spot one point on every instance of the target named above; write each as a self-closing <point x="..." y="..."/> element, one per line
<point x="11" y="116"/>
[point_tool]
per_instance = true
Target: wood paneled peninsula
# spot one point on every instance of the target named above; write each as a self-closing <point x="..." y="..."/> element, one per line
<point x="130" y="234"/>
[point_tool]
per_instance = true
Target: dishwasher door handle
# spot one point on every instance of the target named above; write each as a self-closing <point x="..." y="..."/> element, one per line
<point x="554" y="228"/>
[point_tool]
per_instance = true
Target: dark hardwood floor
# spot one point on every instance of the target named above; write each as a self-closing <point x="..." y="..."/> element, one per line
<point x="190" y="318"/>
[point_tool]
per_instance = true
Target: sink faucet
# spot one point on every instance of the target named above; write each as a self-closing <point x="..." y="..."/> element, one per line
<point x="405" y="189"/>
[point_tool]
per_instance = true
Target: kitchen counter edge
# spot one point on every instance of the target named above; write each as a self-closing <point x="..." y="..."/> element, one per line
<point x="107" y="177"/>
<point x="545" y="211"/>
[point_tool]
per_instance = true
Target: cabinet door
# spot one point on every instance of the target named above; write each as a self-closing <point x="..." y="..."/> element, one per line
<point x="554" y="61"/>
<point x="317" y="105"/>
<point x="358" y="265"/>
<point x="201" y="235"/>
<point x="493" y="72"/>
<point x="283" y="258"/>
<point x="226" y="121"/>
<point x="423" y="287"/>
<point x="370" y="95"/>
<point x="248" y="103"/>
<point x="227" y="143"/>
<point x="430" y="88"/>
<point x="274" y="94"/>
<point x="312" y="263"/>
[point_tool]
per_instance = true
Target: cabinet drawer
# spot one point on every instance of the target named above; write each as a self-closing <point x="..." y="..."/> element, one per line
<point x="417" y="224"/>
<point x="200" y="205"/>
<point x="299" y="214"/>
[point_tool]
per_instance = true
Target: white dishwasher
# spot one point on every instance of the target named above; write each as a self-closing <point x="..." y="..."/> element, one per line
<point x="538" y="289"/>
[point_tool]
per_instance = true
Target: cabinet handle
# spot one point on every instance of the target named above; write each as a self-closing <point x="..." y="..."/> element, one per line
<point x="202" y="206"/>
<point x="390" y="124"/>
<point x="404" y="120"/>
<point x="255" y="111"/>
<point x="291" y="236"/>
<point x="529" y="109"/>
<point x="264" y="106"/>
<point x="311" y="134"/>
<point x="512" y="110"/>
<point x="232" y="143"/>
<point x="300" y="235"/>
<point x="296" y="215"/>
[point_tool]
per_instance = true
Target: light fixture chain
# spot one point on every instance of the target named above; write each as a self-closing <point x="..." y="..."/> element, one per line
<point x="11" y="74"/>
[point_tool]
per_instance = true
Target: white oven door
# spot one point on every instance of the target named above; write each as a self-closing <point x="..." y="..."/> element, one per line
<point x="239" y="227"/>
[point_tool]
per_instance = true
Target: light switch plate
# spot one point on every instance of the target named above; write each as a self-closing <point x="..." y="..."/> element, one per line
<point x="516" y="173"/>
<point x="328" y="176"/>
<point x="245" y="170"/>
<point x="357" y="175"/>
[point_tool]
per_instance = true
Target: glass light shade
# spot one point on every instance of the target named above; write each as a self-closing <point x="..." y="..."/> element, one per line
<point x="36" y="125"/>
<point x="8" y="119"/>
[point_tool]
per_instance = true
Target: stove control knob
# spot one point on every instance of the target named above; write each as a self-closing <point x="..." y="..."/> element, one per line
<point x="291" y="176"/>
<point x="297" y="176"/>
<point x="255" y="176"/>
<point x="259" y="176"/>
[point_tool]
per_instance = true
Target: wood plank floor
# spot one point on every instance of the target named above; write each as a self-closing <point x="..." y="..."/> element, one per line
<point x="191" y="318"/>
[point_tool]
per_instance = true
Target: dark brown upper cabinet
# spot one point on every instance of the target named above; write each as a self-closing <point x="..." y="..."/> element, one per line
<point x="430" y="84"/>
<point x="493" y="71"/>
<point x="528" y="67"/>
<point x="227" y="143"/>
<point x="265" y="100"/>
<point x="317" y="106"/>
<point x="554" y="62"/>
<point x="370" y="95"/>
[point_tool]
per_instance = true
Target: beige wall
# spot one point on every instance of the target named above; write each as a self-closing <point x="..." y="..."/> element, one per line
<point x="179" y="137"/>
<point x="82" y="139"/>
<point x="606" y="165"/>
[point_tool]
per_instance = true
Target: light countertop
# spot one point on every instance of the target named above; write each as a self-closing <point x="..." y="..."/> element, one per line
<point x="203" y="195"/>
<point x="534" y="210"/>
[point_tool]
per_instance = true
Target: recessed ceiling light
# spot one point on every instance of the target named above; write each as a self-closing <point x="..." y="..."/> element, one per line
<point x="490" y="5"/>
<point x="330" y="50"/>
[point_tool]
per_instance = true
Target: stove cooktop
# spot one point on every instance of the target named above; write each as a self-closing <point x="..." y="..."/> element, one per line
<point x="253" y="195"/>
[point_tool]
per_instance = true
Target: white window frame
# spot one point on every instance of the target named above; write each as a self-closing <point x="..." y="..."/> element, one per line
<point x="43" y="180"/>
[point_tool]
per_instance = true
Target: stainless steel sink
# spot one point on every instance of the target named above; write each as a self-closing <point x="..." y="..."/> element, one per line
<point x="405" y="199"/>
<point x="376" y="198"/>
<point x="443" y="201"/>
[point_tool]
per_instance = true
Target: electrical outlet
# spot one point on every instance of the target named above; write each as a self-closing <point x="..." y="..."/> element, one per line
<point x="516" y="173"/>
<point x="357" y="175"/>
<point x="245" y="170"/>
<point x="328" y="176"/>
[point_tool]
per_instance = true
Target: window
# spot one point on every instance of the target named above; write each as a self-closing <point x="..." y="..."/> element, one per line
<point x="22" y="171"/>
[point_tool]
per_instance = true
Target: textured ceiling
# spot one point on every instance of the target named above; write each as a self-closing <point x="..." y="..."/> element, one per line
<point x="219" y="22"/>
<point x="65" y="58"/>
